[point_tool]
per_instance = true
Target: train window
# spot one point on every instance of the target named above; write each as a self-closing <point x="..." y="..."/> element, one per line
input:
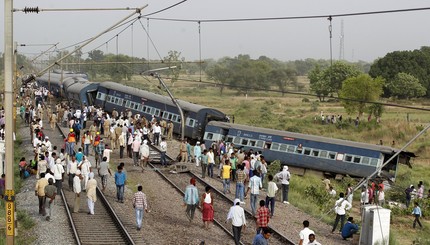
<point x="283" y="147"/>
<point x="123" y="102"/>
<point x="190" y="122"/>
<point x="299" y="150"/>
<point x="152" y="111"/>
<point x="116" y="100"/>
<point x="112" y="99"/>
<point x="307" y="151"/>
<point x="179" y="119"/>
<point x="332" y="155"/>
<point x="148" y="110"/>
<point x="348" y="158"/>
<point x="137" y="106"/>
<point x="315" y="153"/>
<point x="209" y="136"/>
<point x="251" y="143"/>
<point x="291" y="148"/>
<point x="323" y="154"/>
<point x="231" y="139"/>
<point x="128" y="103"/>
<point x="357" y="159"/>
<point x="244" y="142"/>
<point x="374" y="162"/>
<point x="170" y="116"/>
<point x="157" y="112"/>
<point x="99" y="95"/>
<point x="274" y="147"/>
<point x="259" y="144"/>
<point x="365" y="160"/>
<point x="108" y="98"/>
<point x="175" y="118"/>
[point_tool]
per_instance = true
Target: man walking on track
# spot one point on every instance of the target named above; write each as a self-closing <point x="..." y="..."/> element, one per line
<point x="191" y="199"/>
<point x="139" y="204"/>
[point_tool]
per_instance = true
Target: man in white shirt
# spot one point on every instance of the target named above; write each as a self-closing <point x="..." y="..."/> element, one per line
<point x="58" y="171"/>
<point x="157" y="132"/>
<point x="163" y="150"/>
<point x="255" y="186"/>
<point x="77" y="190"/>
<point x="72" y="167"/>
<point x="237" y="216"/>
<point x="340" y="207"/>
<point x="312" y="240"/>
<point x="144" y="154"/>
<point x="304" y="234"/>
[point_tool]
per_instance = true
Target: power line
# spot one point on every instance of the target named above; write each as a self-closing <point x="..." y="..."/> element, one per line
<point x="298" y="17"/>
<point x="303" y="94"/>
<point x="166" y="8"/>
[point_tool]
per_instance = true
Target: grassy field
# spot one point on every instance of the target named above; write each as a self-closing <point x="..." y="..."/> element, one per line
<point x="297" y="113"/>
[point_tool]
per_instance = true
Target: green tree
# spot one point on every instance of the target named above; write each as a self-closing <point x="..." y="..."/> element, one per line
<point x="117" y="72"/>
<point x="415" y="63"/>
<point x="283" y="77"/>
<point x="173" y="59"/>
<point x="96" y="55"/>
<point x="318" y="84"/>
<point x="336" y="74"/>
<point x="360" y="89"/>
<point x="220" y="72"/>
<point x="405" y="86"/>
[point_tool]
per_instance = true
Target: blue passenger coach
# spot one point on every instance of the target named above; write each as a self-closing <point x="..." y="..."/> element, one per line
<point x="307" y="151"/>
<point x="113" y="95"/>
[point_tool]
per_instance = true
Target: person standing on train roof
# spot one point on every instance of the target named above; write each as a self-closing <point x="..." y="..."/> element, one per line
<point x="197" y="153"/>
<point x="238" y="220"/>
<point x="77" y="190"/>
<point x="191" y="199"/>
<point x="284" y="177"/>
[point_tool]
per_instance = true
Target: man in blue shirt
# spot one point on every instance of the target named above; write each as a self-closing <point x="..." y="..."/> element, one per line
<point x="349" y="229"/>
<point x="417" y="213"/>
<point x="79" y="155"/>
<point x="262" y="238"/>
<point x="191" y="199"/>
<point x="120" y="181"/>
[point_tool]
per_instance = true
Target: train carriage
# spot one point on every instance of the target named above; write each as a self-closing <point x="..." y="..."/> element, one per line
<point x="80" y="92"/>
<point x="112" y="95"/>
<point x="308" y="151"/>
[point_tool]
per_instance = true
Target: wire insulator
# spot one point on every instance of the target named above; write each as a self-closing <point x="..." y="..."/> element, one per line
<point x="31" y="10"/>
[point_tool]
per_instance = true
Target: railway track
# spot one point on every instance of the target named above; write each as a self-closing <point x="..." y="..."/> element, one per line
<point x="222" y="203"/>
<point x="104" y="227"/>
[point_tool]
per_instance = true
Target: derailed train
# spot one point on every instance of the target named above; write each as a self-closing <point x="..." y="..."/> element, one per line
<point x="204" y="123"/>
<point x="109" y="95"/>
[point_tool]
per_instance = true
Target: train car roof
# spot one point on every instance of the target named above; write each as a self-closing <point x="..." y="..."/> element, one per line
<point x="381" y="148"/>
<point x="152" y="96"/>
<point x="56" y="78"/>
<point x="77" y="84"/>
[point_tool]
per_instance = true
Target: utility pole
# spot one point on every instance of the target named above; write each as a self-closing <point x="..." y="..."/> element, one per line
<point x="342" y="42"/>
<point x="8" y="106"/>
<point x="174" y="100"/>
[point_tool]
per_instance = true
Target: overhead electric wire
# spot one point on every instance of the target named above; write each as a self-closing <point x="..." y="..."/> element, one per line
<point x="303" y="94"/>
<point x="78" y="43"/>
<point x="150" y="39"/>
<point x="297" y="17"/>
<point x="166" y="8"/>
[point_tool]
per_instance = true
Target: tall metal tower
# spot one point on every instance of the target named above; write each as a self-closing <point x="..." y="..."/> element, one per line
<point x="342" y="45"/>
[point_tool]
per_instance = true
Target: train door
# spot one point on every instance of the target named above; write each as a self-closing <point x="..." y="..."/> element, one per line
<point x="91" y="96"/>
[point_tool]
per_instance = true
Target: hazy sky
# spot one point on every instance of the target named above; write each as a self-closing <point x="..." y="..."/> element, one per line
<point x="365" y="37"/>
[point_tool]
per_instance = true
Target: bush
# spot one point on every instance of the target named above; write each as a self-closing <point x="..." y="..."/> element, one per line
<point x="305" y="100"/>
<point x="314" y="105"/>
